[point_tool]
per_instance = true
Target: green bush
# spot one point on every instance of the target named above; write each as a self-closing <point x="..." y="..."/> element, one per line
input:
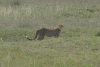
<point x="98" y="33"/>
<point x="16" y="2"/>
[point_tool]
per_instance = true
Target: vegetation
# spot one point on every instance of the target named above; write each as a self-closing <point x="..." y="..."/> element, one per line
<point x="16" y="2"/>
<point x="78" y="45"/>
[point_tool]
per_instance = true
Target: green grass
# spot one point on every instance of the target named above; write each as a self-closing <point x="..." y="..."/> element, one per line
<point x="75" y="47"/>
<point x="78" y="45"/>
<point x="16" y="2"/>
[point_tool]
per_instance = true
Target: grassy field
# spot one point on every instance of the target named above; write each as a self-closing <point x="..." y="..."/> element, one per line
<point x="78" y="45"/>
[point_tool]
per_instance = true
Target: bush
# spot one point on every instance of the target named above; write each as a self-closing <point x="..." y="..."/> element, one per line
<point x="16" y="2"/>
<point x="98" y="33"/>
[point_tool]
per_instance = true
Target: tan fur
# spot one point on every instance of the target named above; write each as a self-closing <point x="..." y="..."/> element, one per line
<point x="48" y="32"/>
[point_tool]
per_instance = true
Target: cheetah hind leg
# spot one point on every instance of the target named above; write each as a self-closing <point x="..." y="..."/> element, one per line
<point x="40" y="38"/>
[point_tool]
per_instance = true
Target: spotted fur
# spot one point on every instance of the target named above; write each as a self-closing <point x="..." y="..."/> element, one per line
<point x="48" y="32"/>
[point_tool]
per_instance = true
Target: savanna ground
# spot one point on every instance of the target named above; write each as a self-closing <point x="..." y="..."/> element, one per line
<point x="78" y="45"/>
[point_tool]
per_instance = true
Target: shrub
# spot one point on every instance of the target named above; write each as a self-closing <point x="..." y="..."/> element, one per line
<point x="16" y="2"/>
<point x="98" y="33"/>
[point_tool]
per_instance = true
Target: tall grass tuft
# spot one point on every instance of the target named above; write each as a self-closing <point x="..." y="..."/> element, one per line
<point x="98" y="33"/>
<point x="16" y="2"/>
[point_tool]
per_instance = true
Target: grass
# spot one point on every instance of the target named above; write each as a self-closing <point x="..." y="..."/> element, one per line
<point x="16" y="2"/>
<point x="78" y="45"/>
<point x="54" y="54"/>
<point x="77" y="48"/>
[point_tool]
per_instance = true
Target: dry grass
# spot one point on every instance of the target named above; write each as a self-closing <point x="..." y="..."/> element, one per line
<point x="78" y="46"/>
